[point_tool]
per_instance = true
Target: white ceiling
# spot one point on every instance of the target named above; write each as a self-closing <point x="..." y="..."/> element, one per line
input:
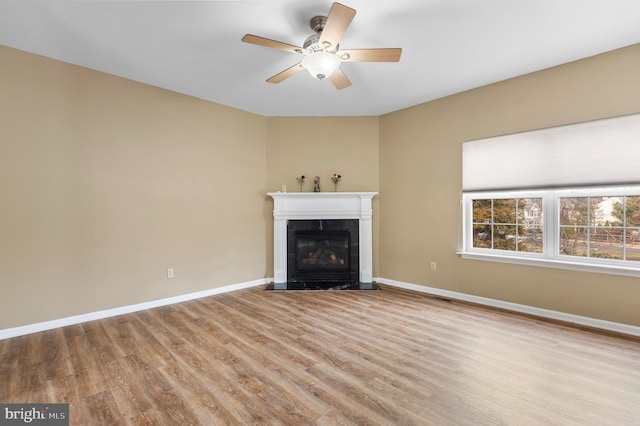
<point x="194" y="47"/>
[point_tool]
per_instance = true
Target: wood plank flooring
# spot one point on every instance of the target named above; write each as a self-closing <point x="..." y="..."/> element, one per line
<point x="389" y="357"/>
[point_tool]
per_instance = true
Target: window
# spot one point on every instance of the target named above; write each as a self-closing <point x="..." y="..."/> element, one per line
<point x="577" y="215"/>
<point x="598" y="227"/>
<point x="513" y="224"/>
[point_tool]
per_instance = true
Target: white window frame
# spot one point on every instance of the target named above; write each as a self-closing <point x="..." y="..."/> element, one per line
<point x="550" y="257"/>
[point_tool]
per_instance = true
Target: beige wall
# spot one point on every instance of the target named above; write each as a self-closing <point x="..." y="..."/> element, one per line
<point x="420" y="175"/>
<point x="106" y="183"/>
<point x="321" y="146"/>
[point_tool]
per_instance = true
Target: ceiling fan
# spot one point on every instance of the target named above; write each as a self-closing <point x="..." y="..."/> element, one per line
<point x="321" y="51"/>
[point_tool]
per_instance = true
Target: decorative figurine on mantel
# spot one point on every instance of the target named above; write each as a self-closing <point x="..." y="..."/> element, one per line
<point x="316" y="184"/>
<point x="300" y="179"/>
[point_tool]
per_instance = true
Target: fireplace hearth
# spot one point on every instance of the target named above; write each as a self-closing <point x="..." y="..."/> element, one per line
<point x="323" y="241"/>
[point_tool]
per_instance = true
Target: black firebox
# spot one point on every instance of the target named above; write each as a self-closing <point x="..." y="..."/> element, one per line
<point x="323" y="251"/>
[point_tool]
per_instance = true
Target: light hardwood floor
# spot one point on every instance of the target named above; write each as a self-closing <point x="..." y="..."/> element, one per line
<point x="389" y="357"/>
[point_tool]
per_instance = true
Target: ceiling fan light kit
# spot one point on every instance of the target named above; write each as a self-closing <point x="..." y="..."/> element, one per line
<point x="321" y="64"/>
<point x="322" y="54"/>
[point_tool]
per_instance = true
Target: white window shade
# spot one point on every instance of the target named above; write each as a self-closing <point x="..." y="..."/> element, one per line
<point x="591" y="153"/>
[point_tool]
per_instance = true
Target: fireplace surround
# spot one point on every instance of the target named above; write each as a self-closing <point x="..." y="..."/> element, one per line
<point x="323" y="240"/>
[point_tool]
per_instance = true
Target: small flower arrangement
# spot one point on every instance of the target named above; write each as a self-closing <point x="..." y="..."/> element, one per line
<point x="300" y="179"/>
<point x="335" y="178"/>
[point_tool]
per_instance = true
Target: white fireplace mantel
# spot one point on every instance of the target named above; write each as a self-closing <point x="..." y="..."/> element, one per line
<point x="322" y="205"/>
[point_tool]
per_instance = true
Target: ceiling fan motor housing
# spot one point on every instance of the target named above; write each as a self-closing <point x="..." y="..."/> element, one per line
<point x="311" y="44"/>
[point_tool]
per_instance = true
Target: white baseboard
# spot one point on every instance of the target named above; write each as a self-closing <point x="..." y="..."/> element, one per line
<point x="545" y="313"/>
<point x="76" y="319"/>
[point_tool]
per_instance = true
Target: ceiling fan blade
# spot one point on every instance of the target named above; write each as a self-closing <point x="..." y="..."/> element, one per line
<point x="289" y="72"/>
<point x="266" y="42"/>
<point x="370" y="55"/>
<point x="339" y="79"/>
<point x="340" y="16"/>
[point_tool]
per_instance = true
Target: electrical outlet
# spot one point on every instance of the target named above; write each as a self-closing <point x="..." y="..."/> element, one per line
<point x="170" y="273"/>
<point x="433" y="266"/>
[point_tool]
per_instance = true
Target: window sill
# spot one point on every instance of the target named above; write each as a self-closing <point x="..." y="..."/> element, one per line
<point x="554" y="263"/>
